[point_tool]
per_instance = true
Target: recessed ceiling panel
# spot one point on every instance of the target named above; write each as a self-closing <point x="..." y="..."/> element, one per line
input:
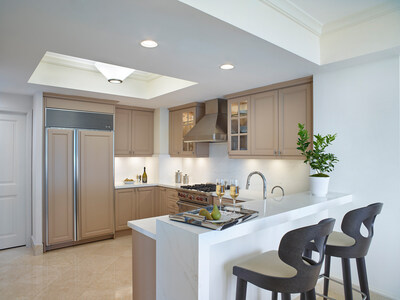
<point x="65" y="71"/>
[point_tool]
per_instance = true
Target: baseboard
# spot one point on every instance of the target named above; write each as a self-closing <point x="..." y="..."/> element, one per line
<point x="37" y="249"/>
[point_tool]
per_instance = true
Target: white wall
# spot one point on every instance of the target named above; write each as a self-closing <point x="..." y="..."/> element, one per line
<point x="292" y="175"/>
<point x="361" y="104"/>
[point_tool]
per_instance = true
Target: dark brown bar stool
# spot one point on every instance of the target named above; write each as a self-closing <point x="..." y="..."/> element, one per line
<point x="287" y="270"/>
<point x="352" y="244"/>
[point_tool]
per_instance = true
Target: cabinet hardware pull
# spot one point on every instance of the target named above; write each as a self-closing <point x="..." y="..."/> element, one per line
<point x="274" y="152"/>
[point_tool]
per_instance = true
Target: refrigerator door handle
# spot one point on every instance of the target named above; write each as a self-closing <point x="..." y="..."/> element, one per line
<point x="76" y="187"/>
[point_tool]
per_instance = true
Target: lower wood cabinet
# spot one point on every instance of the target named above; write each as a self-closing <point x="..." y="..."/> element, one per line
<point x="172" y="198"/>
<point x="162" y="207"/>
<point x="143" y="202"/>
<point x="125" y="204"/>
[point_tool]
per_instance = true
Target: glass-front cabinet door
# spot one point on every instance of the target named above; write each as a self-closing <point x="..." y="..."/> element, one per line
<point x="188" y="122"/>
<point x="238" y="126"/>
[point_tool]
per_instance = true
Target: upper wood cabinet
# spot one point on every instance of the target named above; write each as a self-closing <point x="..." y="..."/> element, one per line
<point x="295" y="106"/>
<point x="263" y="122"/>
<point x="181" y="120"/>
<point x="239" y="126"/>
<point x="134" y="132"/>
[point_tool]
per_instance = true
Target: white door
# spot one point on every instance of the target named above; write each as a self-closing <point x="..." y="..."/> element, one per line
<point x="12" y="180"/>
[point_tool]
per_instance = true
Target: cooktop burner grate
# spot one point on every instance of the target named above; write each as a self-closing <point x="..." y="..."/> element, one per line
<point x="203" y="187"/>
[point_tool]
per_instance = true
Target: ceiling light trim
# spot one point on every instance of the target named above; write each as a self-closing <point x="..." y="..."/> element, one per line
<point x="296" y="14"/>
<point x="227" y="66"/>
<point x="149" y="44"/>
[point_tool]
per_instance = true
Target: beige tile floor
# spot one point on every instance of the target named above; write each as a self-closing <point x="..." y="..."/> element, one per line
<point x="100" y="270"/>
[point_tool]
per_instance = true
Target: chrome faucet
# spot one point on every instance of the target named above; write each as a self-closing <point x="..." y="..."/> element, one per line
<point x="264" y="183"/>
<point x="279" y="187"/>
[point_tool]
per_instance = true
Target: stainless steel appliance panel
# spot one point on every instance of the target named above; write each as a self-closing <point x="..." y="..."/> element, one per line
<point x="79" y="119"/>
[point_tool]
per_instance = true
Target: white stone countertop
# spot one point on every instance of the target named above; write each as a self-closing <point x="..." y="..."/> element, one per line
<point x="121" y="185"/>
<point x="271" y="212"/>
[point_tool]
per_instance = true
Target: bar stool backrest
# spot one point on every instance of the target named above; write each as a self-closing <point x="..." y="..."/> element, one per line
<point x="293" y="247"/>
<point x="351" y="225"/>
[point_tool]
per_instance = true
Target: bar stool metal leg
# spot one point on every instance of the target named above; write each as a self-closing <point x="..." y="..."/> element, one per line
<point x="326" y="274"/>
<point x="274" y="296"/>
<point x="348" y="293"/>
<point x="285" y="296"/>
<point x="241" y="289"/>
<point x="310" y="295"/>
<point x="362" y="276"/>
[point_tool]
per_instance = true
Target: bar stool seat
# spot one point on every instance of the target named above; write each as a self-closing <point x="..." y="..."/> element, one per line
<point x="340" y="239"/>
<point x="288" y="270"/>
<point x="268" y="264"/>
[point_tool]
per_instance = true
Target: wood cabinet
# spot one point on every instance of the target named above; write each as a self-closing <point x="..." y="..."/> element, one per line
<point x="239" y="128"/>
<point x="96" y="205"/>
<point x="134" y="131"/>
<point x="181" y="120"/>
<point x="263" y="122"/>
<point x="140" y="203"/>
<point x="145" y="203"/>
<point x="295" y="106"/>
<point x="60" y="195"/>
<point x="125" y="208"/>
<point x="172" y="198"/>
<point x="162" y="207"/>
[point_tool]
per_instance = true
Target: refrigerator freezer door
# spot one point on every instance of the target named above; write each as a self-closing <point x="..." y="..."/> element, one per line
<point x="60" y="186"/>
<point x="95" y="184"/>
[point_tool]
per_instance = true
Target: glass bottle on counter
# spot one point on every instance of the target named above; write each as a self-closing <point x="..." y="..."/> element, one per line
<point x="144" y="176"/>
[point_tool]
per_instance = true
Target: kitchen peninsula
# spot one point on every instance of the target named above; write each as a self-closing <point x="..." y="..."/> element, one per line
<point x="196" y="263"/>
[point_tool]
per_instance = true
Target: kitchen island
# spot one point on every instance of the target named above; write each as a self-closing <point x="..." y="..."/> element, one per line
<point x="193" y="262"/>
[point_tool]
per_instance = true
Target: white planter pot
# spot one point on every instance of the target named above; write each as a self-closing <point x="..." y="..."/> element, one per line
<point x="319" y="186"/>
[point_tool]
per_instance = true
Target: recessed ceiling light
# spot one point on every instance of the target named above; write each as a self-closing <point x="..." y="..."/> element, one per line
<point x="227" y="67"/>
<point x="149" y="44"/>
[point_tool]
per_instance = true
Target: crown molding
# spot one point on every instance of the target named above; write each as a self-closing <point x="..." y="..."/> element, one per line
<point x="361" y="17"/>
<point x="296" y="14"/>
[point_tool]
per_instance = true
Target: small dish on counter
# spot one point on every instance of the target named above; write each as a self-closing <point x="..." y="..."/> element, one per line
<point x="129" y="181"/>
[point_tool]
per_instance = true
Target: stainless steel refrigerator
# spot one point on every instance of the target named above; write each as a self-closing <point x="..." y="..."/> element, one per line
<point x="79" y="200"/>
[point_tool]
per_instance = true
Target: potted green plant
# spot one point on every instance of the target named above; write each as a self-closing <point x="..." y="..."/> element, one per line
<point x="320" y="161"/>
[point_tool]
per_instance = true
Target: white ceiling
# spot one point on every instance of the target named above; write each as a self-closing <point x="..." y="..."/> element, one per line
<point x="326" y="11"/>
<point x="192" y="45"/>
